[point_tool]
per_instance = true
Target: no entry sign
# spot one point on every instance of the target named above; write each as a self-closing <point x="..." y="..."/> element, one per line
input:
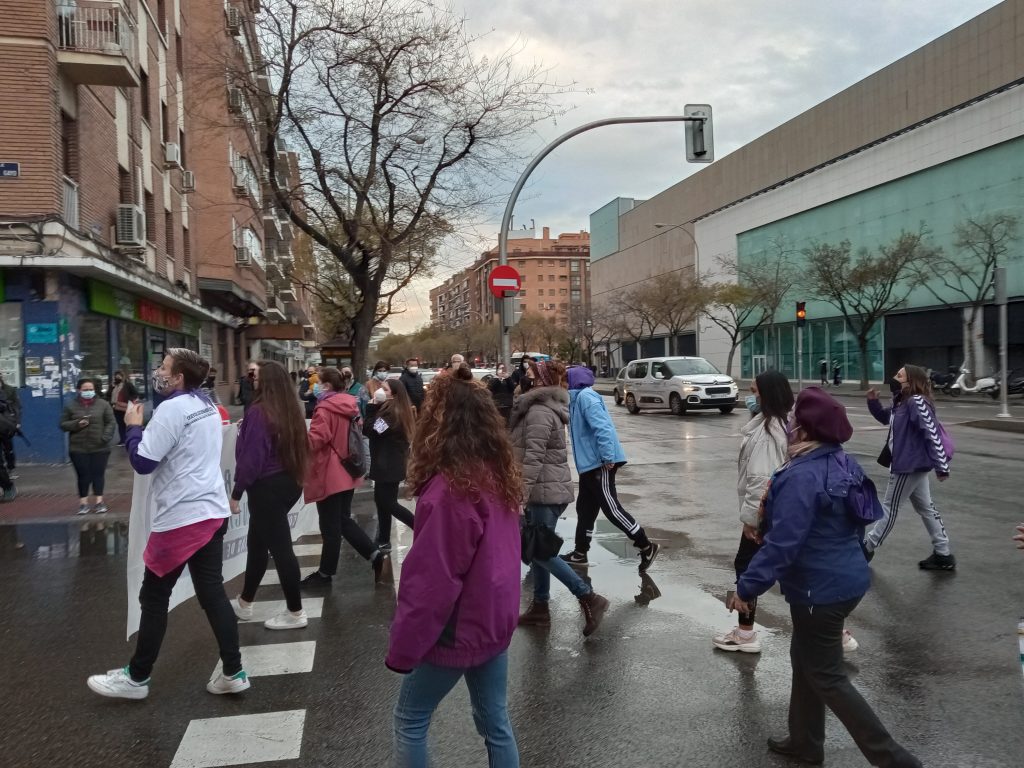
<point x="504" y="281"/>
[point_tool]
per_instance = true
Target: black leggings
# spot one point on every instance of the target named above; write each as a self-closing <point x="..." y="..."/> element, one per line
<point x="385" y="496"/>
<point x="744" y="555"/>
<point x="335" y="513"/>
<point x="91" y="469"/>
<point x="270" y="500"/>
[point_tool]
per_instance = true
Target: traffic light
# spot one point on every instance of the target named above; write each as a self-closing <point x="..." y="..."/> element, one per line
<point x="801" y="314"/>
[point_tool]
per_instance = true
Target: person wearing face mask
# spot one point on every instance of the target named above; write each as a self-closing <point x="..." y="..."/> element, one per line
<point x="247" y="388"/>
<point x="89" y="422"/>
<point x="187" y="519"/>
<point x="120" y="395"/>
<point x="413" y="382"/>
<point x="519" y="372"/>
<point x="209" y="387"/>
<point x="377" y="378"/>
<point x="308" y="390"/>
<point x="502" y="390"/>
<point x="915" y="447"/>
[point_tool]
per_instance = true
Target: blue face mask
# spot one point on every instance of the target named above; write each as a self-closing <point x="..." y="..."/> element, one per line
<point x="87" y="395"/>
<point x="752" y="405"/>
<point x="316" y="388"/>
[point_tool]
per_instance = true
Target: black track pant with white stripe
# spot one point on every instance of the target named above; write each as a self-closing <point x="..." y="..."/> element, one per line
<point x="597" y="494"/>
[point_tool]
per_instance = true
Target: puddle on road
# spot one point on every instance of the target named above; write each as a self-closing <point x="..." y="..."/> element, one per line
<point x="56" y="541"/>
<point x="613" y="573"/>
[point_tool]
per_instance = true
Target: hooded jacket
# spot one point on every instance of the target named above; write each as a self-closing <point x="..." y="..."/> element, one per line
<point x="458" y="603"/>
<point x="916" y="445"/>
<point x="594" y="441"/>
<point x="762" y="451"/>
<point x="538" y="421"/>
<point x="811" y="542"/>
<point x="328" y="445"/>
<point x="94" y="437"/>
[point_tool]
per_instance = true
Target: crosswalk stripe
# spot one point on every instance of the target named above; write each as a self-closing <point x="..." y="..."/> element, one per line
<point x="271" y="578"/>
<point x="301" y="550"/>
<point x="277" y="659"/>
<point x="265" y="609"/>
<point x="240" y="739"/>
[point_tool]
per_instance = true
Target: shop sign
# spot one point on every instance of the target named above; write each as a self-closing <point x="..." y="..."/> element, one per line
<point x="111" y="301"/>
<point x="41" y="333"/>
<point x="107" y="300"/>
<point x="189" y="326"/>
<point x="150" y="313"/>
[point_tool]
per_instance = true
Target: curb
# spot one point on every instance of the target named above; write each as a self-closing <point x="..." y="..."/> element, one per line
<point x="997" y="425"/>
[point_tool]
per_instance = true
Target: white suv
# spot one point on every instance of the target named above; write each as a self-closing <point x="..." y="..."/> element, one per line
<point x="679" y="384"/>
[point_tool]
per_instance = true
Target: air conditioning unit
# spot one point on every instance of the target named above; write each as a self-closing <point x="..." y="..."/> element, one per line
<point x="242" y="255"/>
<point x="234" y="22"/>
<point x="131" y="226"/>
<point x="188" y="181"/>
<point x="172" y="155"/>
<point x="235" y="100"/>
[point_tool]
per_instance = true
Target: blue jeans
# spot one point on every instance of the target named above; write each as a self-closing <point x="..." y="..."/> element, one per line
<point x="425" y="687"/>
<point x="548" y="514"/>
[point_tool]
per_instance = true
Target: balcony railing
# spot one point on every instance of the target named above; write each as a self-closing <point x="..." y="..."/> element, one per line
<point x="70" y="203"/>
<point x="96" y="42"/>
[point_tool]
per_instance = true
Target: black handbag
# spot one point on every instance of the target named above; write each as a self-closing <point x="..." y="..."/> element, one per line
<point x="539" y="542"/>
<point x="885" y="457"/>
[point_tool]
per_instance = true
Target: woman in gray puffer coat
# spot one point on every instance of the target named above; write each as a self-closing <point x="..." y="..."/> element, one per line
<point x="538" y="422"/>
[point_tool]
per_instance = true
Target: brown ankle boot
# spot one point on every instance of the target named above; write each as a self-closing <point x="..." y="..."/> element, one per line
<point x="594" y="607"/>
<point x="537" y="615"/>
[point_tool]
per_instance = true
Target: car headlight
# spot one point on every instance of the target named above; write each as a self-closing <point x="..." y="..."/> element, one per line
<point x="691" y="389"/>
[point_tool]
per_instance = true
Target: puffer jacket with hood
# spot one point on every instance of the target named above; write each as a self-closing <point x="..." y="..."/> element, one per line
<point x="328" y="445"/>
<point x="762" y="451"/>
<point x="538" y="422"/>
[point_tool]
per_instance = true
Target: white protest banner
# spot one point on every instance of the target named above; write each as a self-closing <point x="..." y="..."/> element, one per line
<point x="302" y="518"/>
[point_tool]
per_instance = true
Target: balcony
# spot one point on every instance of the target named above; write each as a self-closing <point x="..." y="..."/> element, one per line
<point x="96" y="43"/>
<point x="275" y="309"/>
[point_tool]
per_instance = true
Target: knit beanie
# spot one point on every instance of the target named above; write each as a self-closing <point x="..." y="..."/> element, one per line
<point x="580" y="377"/>
<point x="821" y="416"/>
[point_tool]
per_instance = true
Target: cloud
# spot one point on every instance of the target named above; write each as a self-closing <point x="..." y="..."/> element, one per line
<point x="759" y="63"/>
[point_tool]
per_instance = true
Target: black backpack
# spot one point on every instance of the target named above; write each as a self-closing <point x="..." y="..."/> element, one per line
<point x="356" y="462"/>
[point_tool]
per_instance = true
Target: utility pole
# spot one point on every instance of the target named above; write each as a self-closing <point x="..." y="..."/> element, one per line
<point x="999" y="277"/>
<point x="699" y="149"/>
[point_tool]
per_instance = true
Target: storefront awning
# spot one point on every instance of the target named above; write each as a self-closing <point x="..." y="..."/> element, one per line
<point x="228" y="297"/>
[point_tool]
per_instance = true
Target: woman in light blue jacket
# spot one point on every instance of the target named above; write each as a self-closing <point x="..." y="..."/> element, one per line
<point x="598" y="456"/>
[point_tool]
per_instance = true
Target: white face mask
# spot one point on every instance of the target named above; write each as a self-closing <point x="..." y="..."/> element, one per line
<point x="381" y="375"/>
<point x="87" y="394"/>
<point x="380" y="395"/>
<point x="414" y="369"/>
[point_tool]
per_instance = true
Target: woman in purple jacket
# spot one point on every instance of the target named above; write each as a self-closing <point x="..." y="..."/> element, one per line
<point x="270" y="464"/>
<point x="459" y="597"/>
<point x="913" y="450"/>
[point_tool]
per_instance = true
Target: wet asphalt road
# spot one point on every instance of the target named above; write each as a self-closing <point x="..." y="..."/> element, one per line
<point x="938" y="656"/>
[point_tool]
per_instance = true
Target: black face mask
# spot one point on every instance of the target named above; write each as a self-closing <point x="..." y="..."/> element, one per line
<point x="525" y="384"/>
<point x="895" y="387"/>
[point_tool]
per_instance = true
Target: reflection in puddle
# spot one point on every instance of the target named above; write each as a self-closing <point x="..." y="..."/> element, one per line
<point x="48" y="541"/>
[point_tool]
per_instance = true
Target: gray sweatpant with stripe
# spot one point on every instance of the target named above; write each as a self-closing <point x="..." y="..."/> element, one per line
<point x="915" y="486"/>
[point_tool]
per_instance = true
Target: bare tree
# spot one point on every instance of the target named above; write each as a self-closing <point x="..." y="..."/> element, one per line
<point x="675" y="301"/>
<point x="637" y="318"/>
<point x="552" y="335"/>
<point x="864" y="287"/>
<point x="739" y="311"/>
<point x="529" y="331"/>
<point x="982" y="243"/>
<point x="400" y="129"/>
<point x="771" y="274"/>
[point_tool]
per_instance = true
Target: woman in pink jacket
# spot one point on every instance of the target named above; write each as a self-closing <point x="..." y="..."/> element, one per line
<point x="328" y="484"/>
<point x="459" y="598"/>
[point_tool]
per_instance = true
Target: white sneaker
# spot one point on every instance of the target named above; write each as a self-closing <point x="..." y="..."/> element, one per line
<point x="244" y="613"/>
<point x="732" y="641"/>
<point x="234" y="684"/>
<point x="850" y="643"/>
<point x="118" y="684"/>
<point x="287" y="620"/>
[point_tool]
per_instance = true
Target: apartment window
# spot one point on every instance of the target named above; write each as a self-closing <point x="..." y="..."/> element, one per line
<point x="551" y="262"/>
<point x="521" y="264"/>
<point x="150" y="206"/>
<point x="563" y="307"/>
<point x="522" y="278"/>
<point x="186" y="248"/>
<point x="575" y="297"/>
<point x="563" y="277"/>
<point x="540" y="278"/>
<point x="144" y="94"/>
<point x="523" y="294"/>
<point x="69" y="146"/>
<point x="551" y="291"/>
<point x="169" y="235"/>
<point x="551" y="278"/>
<point x="541" y="305"/>
<point x="574" y="266"/>
<point x="181" y="143"/>
<point x="179" y="53"/>
<point x="561" y="263"/>
<point x="563" y="291"/>
<point x="161" y="15"/>
<point x="125" y="187"/>
<point x="165" y="128"/>
<point x="522" y="307"/>
<point x="551" y="306"/>
<point x="575" y="282"/>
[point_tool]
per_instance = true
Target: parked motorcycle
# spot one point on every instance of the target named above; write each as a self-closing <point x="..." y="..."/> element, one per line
<point x="1014" y="385"/>
<point x="943" y="382"/>
<point x="986" y="385"/>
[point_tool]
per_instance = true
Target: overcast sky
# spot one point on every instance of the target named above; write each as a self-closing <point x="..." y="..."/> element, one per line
<point x="757" y="62"/>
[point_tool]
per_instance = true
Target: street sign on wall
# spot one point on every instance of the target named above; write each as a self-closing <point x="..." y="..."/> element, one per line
<point x="504" y="281"/>
<point x="10" y="170"/>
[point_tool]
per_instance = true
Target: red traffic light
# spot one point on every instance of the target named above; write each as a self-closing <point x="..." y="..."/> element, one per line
<point x="801" y="314"/>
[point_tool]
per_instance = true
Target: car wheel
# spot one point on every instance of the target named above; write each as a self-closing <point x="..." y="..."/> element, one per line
<point x="676" y="405"/>
<point x="631" y="405"/>
<point x="618" y="397"/>
<point x="726" y="408"/>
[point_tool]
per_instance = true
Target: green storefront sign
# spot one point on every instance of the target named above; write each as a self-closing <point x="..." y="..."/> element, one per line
<point x="107" y="300"/>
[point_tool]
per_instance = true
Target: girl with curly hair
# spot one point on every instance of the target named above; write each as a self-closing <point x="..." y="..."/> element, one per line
<point x="459" y="597"/>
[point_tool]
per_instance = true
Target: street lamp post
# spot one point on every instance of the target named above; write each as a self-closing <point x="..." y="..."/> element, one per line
<point x="699" y="144"/>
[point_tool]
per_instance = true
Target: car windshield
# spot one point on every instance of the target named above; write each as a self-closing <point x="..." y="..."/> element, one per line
<point x="694" y="367"/>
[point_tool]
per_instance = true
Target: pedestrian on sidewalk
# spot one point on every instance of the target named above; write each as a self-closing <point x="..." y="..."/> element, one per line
<point x="459" y="596"/>
<point x="89" y="422"/>
<point x="10" y="411"/>
<point x="914" y="449"/>
<point x="538" y="424"/>
<point x="412" y="380"/>
<point x="246" y="389"/>
<point x="763" y="450"/>
<point x="330" y="485"/>
<point x="389" y="425"/>
<point x="181" y="449"/>
<point x="119" y="396"/>
<point x="598" y="455"/>
<point x="811" y="546"/>
<point x="823" y="370"/>
<point x="502" y="388"/>
<point x="270" y="466"/>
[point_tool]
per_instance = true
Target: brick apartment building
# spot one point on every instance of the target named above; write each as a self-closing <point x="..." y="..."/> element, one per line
<point x="555" y="281"/>
<point x="120" y="225"/>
